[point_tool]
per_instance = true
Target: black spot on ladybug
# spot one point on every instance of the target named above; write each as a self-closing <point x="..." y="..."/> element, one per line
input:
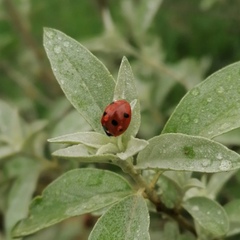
<point x="126" y="115"/>
<point x="114" y="122"/>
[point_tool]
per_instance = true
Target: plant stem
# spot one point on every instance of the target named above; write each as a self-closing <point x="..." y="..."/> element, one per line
<point x="175" y="214"/>
<point x="155" y="179"/>
<point x="128" y="168"/>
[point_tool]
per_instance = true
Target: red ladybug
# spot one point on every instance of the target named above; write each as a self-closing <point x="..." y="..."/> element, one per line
<point x="116" y="118"/>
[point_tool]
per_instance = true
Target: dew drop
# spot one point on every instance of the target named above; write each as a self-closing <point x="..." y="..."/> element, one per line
<point x="209" y="100"/>
<point x="225" y="165"/>
<point x="195" y="208"/>
<point x="219" y="156"/>
<point x="206" y="162"/>
<point x="185" y="118"/>
<point x="210" y="132"/>
<point x="99" y="85"/>
<point x="66" y="44"/>
<point x="57" y="49"/>
<point x="195" y="120"/>
<point x="195" y="92"/>
<point x="49" y="34"/>
<point x="220" y="89"/>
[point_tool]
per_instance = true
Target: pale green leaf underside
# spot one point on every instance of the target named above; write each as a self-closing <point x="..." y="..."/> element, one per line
<point x="83" y="154"/>
<point x="170" y="192"/>
<point x="126" y="89"/>
<point x="176" y="151"/>
<point x="145" y="12"/>
<point x="208" y="214"/>
<point x="91" y="139"/>
<point x="127" y="219"/>
<point x="11" y="130"/>
<point x="211" y="108"/>
<point x="76" y="192"/>
<point x="134" y="146"/>
<point x="86" y="82"/>
<point x="20" y="194"/>
<point x="233" y="212"/>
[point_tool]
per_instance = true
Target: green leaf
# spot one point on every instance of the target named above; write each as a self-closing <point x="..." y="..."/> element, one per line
<point x="193" y="183"/>
<point x="21" y="191"/>
<point x="91" y="139"/>
<point x="216" y="183"/>
<point x="211" y="108"/>
<point x="229" y="138"/>
<point x="74" y="193"/>
<point x="134" y="146"/>
<point x="208" y="214"/>
<point x="175" y="151"/>
<point x="84" y="154"/>
<point x="171" y="231"/>
<point x="11" y="131"/>
<point x="191" y="71"/>
<point x="85" y="81"/>
<point x="233" y="212"/>
<point x="145" y="12"/>
<point x="127" y="219"/>
<point x="171" y="194"/>
<point x="126" y="89"/>
<point x="71" y="123"/>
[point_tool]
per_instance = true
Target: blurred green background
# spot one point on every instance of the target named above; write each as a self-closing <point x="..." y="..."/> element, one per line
<point x="182" y="42"/>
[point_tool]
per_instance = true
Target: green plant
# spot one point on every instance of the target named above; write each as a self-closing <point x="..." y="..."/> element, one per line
<point x="161" y="168"/>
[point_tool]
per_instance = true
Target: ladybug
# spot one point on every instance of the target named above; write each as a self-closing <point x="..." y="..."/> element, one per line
<point x="116" y="118"/>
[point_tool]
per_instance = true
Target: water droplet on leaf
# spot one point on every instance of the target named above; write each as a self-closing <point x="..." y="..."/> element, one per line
<point x="185" y="118"/>
<point x="195" y="208"/>
<point x="49" y="34"/>
<point x="57" y="49"/>
<point x="219" y="156"/>
<point x="225" y="165"/>
<point x="206" y="162"/>
<point x="195" y="120"/>
<point x="195" y="92"/>
<point x="66" y="44"/>
<point x="220" y="89"/>
<point x="209" y="100"/>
